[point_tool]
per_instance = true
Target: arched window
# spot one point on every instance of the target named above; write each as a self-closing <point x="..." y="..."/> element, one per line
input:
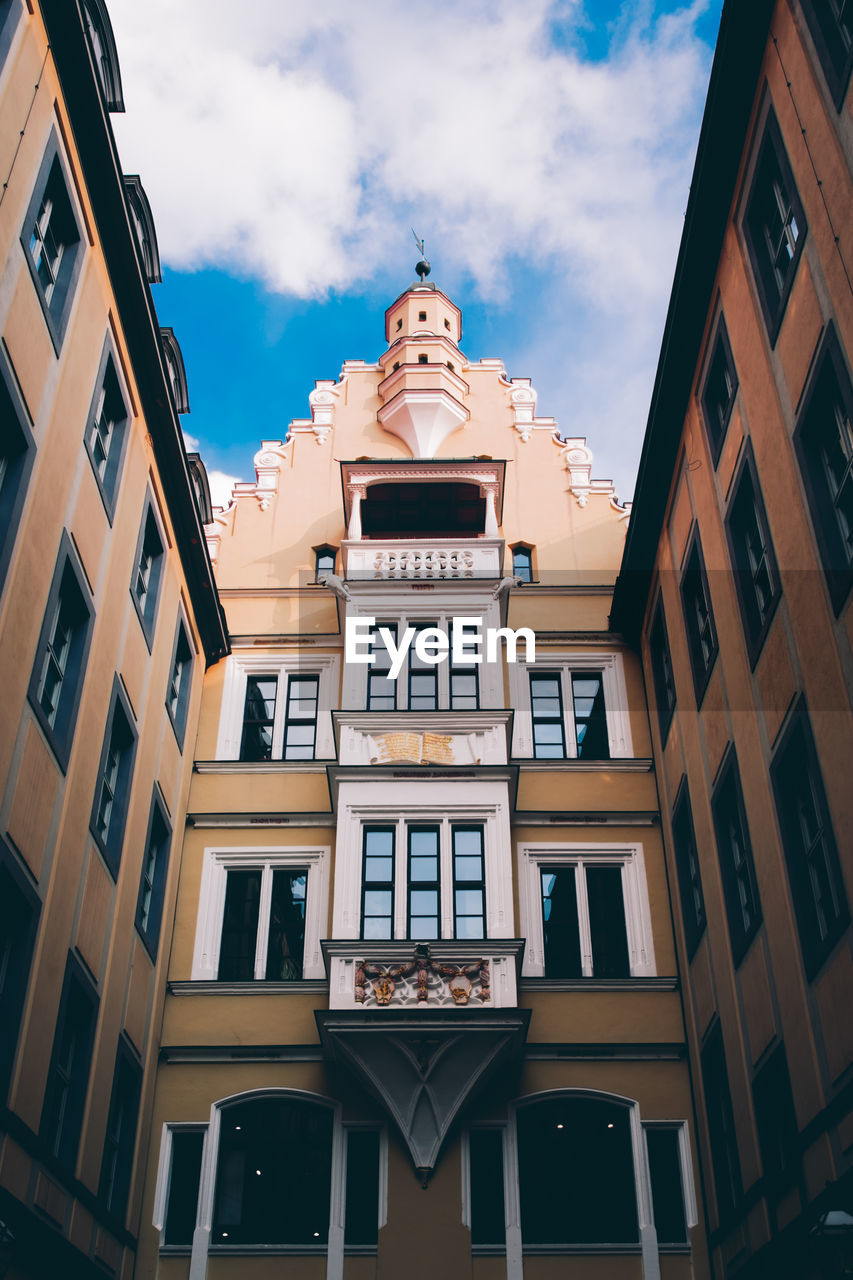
<point x="274" y="1175"/>
<point x="100" y="32"/>
<point x="576" y="1172"/>
<point x="324" y="562"/>
<point x="522" y="563"/>
<point x="143" y="225"/>
<point x="175" y="370"/>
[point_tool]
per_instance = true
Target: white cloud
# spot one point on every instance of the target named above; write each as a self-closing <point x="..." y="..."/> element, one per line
<point x="220" y="487"/>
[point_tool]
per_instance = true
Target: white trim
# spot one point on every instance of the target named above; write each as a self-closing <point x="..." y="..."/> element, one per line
<point x="363" y="803"/>
<point x="238" y="666"/>
<point x="218" y="859"/>
<point x="688" y="1187"/>
<point x="638" y="921"/>
<point x="615" y="698"/>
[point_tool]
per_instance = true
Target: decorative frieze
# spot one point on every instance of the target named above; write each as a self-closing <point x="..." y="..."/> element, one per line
<point x="421" y="979"/>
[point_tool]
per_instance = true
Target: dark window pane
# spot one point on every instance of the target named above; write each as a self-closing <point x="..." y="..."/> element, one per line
<point x="184" y="1179"/>
<point x="776" y="1121"/>
<point x="590" y="716"/>
<point x="560" y="923"/>
<point x="362" y="1192"/>
<point x="120" y="1137"/>
<point x="240" y="926"/>
<point x="286" y="943"/>
<point x="68" y="1076"/>
<point x="753" y="558"/>
<point x="486" y="1158"/>
<point x="734" y="846"/>
<point x="721" y="1126"/>
<point x="718" y="396"/>
<point x="274" y="1175"/>
<point x="522" y="564"/>
<point x="607" y="922"/>
<point x="576" y="1173"/>
<point x="300" y="728"/>
<point x="19" y="911"/>
<point x="662" y="674"/>
<point x="831" y="23"/>
<point x="687" y="867"/>
<point x="258" y="718"/>
<point x="698" y="619"/>
<point x="775" y="227"/>
<point x="667" y="1189"/>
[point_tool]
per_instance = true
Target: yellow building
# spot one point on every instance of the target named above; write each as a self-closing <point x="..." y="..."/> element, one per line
<point x="108" y="616"/>
<point x="736" y="586"/>
<point x="422" y="1011"/>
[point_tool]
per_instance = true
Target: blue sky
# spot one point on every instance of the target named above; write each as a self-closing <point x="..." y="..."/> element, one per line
<point x="543" y="149"/>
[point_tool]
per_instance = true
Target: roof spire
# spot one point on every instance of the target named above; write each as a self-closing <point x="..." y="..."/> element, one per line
<point x="423" y="268"/>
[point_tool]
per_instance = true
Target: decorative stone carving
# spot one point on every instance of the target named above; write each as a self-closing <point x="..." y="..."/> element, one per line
<point x="421" y="979"/>
<point x="268" y="462"/>
<point x="322" y="402"/>
<point x="578" y="459"/>
<point x="523" y="401"/>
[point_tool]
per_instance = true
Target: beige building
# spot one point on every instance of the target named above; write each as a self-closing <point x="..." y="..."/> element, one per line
<point x="736" y="586"/>
<point x="422" y="1011"/>
<point x="108" y="617"/>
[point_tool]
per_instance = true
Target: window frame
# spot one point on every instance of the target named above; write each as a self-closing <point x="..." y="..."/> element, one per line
<point x="695" y="921"/>
<point x="56" y="309"/>
<point x="164" y="1179"/>
<point x="178" y="693"/>
<point x="280" y="666"/>
<point x="111" y="847"/>
<point x="815" y="950"/>
<point x="755" y="625"/>
<point x="742" y="932"/>
<point x="525" y="550"/>
<point x="149" y="921"/>
<point x="16" y="973"/>
<point x="77" y="1084"/>
<point x="324" y="551"/>
<point x="15" y="477"/>
<point x="723" y="1149"/>
<point x="688" y="1188"/>
<point x="660" y="658"/>
<point x="114" y="1187"/>
<point x="534" y="858"/>
<point x="829" y="362"/>
<point x="147" y="609"/>
<point x="716" y="432"/>
<point x="109" y="368"/>
<point x="218" y="860"/>
<point x="837" y="79"/>
<point x="615" y="704"/>
<point x="700" y="667"/>
<point x="60" y="733"/>
<point x="770" y="150"/>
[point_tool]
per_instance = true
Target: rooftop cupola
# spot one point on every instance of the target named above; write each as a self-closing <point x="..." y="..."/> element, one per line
<point x="423" y="310"/>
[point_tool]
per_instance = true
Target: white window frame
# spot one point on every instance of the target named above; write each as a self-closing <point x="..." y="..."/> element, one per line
<point x="416" y="802"/>
<point x="566" y="664"/>
<point x="439" y="609"/>
<point x="533" y="858"/>
<point x="218" y="861"/>
<point x="164" y="1179"/>
<point x="239" y="666"/>
<point x="688" y="1187"/>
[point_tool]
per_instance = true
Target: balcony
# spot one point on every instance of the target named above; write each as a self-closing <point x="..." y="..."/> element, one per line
<point x="444" y="974"/>
<point x="417" y="559"/>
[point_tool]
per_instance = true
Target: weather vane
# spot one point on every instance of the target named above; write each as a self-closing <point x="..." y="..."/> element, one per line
<point x="423" y="268"/>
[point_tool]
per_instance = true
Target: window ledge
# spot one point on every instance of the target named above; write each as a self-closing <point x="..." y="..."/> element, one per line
<point x="531" y="982"/>
<point x="318" y="765"/>
<point x="558" y="1250"/>
<point x="300" y="986"/>
<point x="571" y="764"/>
<point x="268" y="1250"/>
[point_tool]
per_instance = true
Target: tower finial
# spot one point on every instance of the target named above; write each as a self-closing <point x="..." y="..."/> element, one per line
<point x="423" y="267"/>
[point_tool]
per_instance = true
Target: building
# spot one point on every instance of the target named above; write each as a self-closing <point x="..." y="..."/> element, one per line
<point x="108" y="616"/>
<point x="735" y="588"/>
<point x="422" y="1011"/>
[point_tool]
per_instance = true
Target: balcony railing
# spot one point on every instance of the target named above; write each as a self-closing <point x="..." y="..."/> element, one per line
<point x="433" y="558"/>
<point x="365" y="974"/>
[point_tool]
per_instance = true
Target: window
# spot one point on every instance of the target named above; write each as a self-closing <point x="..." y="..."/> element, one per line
<point x="262" y="913"/>
<point x="546" y="705"/>
<point x="721" y="1125"/>
<point x="186" y="1146"/>
<point x="147" y="572"/>
<point x="57" y="678"/>
<point x="445" y="888"/>
<point x="583" y="914"/>
<point x="300" y="724"/>
<point x="180" y="681"/>
<point x="698" y="617"/>
<point x="422" y="315"/>
<point x="776" y="1121"/>
<point x="100" y="33"/>
<point x="324" y="562"/>
<point x="274" y="1174"/>
<point x="258" y="718"/>
<point x="120" y="1137"/>
<point x="423" y="359"/>
<point x="464" y="683"/>
<point x="576" y="1173"/>
<point x="381" y="689"/>
<point x="53" y="242"/>
<point x="68" y="1074"/>
<point x="570" y="706"/>
<point x="756" y="575"/>
<point x="585" y="911"/>
<point x="743" y="907"/>
<point x="421" y="686"/>
<point x="10" y="12"/>
<point x="775" y="227"/>
<point x="273" y="949"/>
<point x="17" y="454"/>
<point x="106" y="429"/>
<point x="687" y="869"/>
<point x="175" y="371"/>
<point x="662" y="674"/>
<point x="824" y="444"/>
<point x="831" y="25"/>
<point x="486" y="1188"/>
<point x="112" y="793"/>
<point x="19" y="915"/>
<point x="811" y="853"/>
<point x="718" y="394"/>
<point x="663" y="1147"/>
<point x="152" y="887"/>
<point x="361" y="1227"/>
<point x="423" y="676"/>
<point x="522" y="563"/>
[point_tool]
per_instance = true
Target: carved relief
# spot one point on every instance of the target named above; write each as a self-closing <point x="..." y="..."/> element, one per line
<point x="421" y="979"/>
